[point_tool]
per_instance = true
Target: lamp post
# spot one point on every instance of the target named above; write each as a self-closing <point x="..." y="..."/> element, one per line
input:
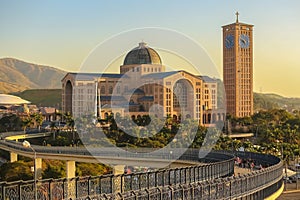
<point x="284" y="160"/>
<point x="174" y="141"/>
<point x="233" y="141"/>
<point x="27" y="145"/>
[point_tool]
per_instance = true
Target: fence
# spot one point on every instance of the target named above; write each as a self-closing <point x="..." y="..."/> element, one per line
<point x="255" y="185"/>
<point x="212" y="180"/>
<point x="109" y="184"/>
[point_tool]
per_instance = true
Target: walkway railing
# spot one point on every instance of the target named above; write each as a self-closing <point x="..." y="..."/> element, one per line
<point x="110" y="184"/>
<point x="255" y="185"/>
<point x="212" y="180"/>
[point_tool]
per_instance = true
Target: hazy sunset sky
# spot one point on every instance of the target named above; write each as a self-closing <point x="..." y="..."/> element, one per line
<point x="62" y="33"/>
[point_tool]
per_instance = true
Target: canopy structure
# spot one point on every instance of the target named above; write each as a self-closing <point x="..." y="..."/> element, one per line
<point x="6" y="99"/>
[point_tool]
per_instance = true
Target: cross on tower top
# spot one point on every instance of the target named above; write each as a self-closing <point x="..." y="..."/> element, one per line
<point x="237" y="16"/>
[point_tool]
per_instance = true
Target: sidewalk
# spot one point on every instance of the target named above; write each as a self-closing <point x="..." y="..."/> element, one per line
<point x="291" y="193"/>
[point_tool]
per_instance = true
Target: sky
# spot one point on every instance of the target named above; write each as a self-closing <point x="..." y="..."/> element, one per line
<point x="62" y="34"/>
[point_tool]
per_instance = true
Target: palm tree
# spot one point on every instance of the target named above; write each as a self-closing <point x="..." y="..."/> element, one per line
<point x="26" y="122"/>
<point x="53" y="127"/>
<point x="38" y="119"/>
<point x="70" y="123"/>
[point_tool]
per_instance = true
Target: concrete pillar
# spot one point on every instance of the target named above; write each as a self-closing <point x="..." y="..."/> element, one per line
<point x="38" y="167"/>
<point x="70" y="173"/>
<point x="118" y="169"/>
<point x="118" y="181"/>
<point x="13" y="157"/>
<point x="70" y="168"/>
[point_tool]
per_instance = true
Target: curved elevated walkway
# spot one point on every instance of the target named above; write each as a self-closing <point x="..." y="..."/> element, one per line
<point x="212" y="180"/>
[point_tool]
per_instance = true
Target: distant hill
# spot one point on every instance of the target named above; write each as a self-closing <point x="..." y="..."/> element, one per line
<point x="269" y="101"/>
<point x="17" y="75"/>
<point x="42" y="97"/>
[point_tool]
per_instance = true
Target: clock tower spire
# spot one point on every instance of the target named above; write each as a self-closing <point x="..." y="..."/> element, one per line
<point x="237" y="16"/>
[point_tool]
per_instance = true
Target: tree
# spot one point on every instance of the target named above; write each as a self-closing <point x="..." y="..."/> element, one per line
<point x="26" y="122"/>
<point x="91" y="169"/>
<point x="52" y="128"/>
<point x="54" y="169"/>
<point x="10" y="122"/>
<point x="15" y="171"/>
<point x="70" y="123"/>
<point x="38" y="119"/>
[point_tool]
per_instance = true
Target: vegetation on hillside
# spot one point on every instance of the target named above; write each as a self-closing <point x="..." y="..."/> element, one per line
<point x="17" y="75"/>
<point x="273" y="101"/>
<point x="42" y="97"/>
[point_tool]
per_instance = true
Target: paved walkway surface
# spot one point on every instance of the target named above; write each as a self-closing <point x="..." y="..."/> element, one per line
<point x="290" y="196"/>
<point x="291" y="192"/>
<point x="239" y="170"/>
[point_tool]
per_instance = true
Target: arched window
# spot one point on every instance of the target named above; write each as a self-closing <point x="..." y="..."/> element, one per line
<point x="110" y="90"/>
<point x="102" y="91"/>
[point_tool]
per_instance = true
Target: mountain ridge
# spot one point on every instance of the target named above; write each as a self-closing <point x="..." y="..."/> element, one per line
<point x="17" y="75"/>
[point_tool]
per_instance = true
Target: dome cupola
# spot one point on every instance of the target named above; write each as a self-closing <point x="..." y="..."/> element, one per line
<point x="142" y="55"/>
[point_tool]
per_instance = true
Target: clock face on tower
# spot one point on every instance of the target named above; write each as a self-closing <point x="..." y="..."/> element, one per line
<point x="229" y="41"/>
<point x="244" y="41"/>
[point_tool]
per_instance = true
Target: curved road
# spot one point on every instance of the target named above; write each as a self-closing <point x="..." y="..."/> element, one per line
<point x="105" y="155"/>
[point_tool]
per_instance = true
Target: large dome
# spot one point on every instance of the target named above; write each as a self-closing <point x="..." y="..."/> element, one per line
<point x="142" y="55"/>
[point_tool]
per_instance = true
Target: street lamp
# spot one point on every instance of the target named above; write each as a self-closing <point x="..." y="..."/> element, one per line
<point x="174" y="141"/>
<point x="27" y="145"/>
<point x="281" y="149"/>
<point x="282" y="158"/>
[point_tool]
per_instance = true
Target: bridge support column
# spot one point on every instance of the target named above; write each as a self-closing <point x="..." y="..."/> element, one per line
<point x="38" y="167"/>
<point x="70" y="175"/>
<point x="118" y="181"/>
<point x="13" y="157"/>
<point x="70" y="168"/>
<point x="118" y="169"/>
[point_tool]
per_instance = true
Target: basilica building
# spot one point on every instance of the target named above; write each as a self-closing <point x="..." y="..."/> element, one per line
<point x="142" y="87"/>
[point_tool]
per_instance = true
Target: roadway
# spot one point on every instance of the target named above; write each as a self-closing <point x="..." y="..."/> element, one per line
<point x="106" y="155"/>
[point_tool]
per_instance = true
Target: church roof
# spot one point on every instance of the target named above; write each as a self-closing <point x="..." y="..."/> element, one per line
<point x="91" y="76"/>
<point x="142" y="55"/>
<point x="239" y="23"/>
<point x="207" y="79"/>
<point x="47" y="110"/>
<point x="159" y="75"/>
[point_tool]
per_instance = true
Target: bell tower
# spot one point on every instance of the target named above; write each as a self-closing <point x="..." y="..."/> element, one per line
<point x="238" y="67"/>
